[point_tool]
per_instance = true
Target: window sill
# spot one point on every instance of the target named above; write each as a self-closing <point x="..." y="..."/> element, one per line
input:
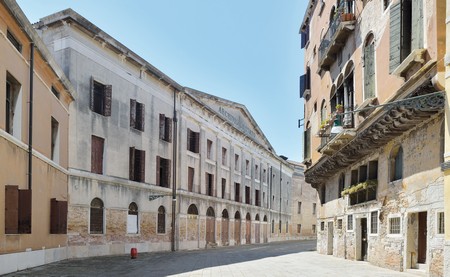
<point x="416" y="56"/>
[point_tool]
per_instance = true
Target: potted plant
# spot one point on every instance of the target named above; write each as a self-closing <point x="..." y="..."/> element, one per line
<point x="340" y="108"/>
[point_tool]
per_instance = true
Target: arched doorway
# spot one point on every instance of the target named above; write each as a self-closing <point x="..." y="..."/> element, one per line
<point x="225" y="221"/>
<point x="265" y="230"/>
<point x="210" y="225"/>
<point x="257" y="232"/>
<point x="192" y="224"/>
<point x="237" y="228"/>
<point x="248" y="229"/>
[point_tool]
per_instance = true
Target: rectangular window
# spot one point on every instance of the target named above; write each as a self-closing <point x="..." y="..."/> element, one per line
<point x="15" y="42"/>
<point x="374" y="222"/>
<point x="313" y="228"/>
<point x="190" y="179"/>
<point x="322" y="226"/>
<point x="224" y="156"/>
<point x="440" y="223"/>
<point x="299" y="207"/>
<point x="13" y="107"/>
<point x="257" y="198"/>
<point x="247" y="195"/>
<point x="307" y="144"/>
<point x="17" y="210"/>
<point x="137" y="115"/>
<point x="165" y="128"/>
<point x="209" y="184"/>
<point x="137" y="165"/>
<point x="55" y="92"/>
<point x="264" y="175"/>
<point x="394" y="225"/>
<point x="314" y="205"/>
<point x="101" y="97"/>
<point x="224" y="186"/>
<point x="54" y="141"/>
<point x="339" y="224"/>
<point x="256" y="172"/>
<point x="58" y="217"/>
<point x="209" y="149"/>
<point x="247" y="167"/>
<point x="349" y="222"/>
<point x="236" y="162"/>
<point x="193" y="141"/>
<point x="97" y="150"/>
<point x="163" y="167"/>
<point x="237" y="192"/>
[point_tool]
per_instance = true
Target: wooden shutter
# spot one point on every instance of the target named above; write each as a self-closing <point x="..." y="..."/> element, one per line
<point x="369" y="71"/>
<point x="307" y="144"/>
<point x="197" y="142"/>
<point x="189" y="134"/>
<point x="162" y="120"/>
<point x="168" y="129"/>
<point x="190" y="179"/>
<point x="97" y="145"/>
<point x="58" y="217"/>
<point x="141" y="108"/>
<point x="168" y="174"/>
<point x="302" y="85"/>
<point x="25" y="211"/>
<point x="132" y="161"/>
<point x="141" y="166"/>
<point x="158" y="170"/>
<point x="108" y="100"/>
<point x="417" y="25"/>
<point x="395" y="37"/>
<point x="91" y="103"/>
<point x="11" y="209"/>
<point x="133" y="113"/>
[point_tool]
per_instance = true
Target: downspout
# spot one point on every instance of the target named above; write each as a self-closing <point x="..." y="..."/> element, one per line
<point x="30" y="118"/>
<point x="281" y="178"/>
<point x="174" y="165"/>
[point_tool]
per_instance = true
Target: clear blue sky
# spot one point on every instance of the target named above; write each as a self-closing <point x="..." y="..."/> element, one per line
<point x="247" y="51"/>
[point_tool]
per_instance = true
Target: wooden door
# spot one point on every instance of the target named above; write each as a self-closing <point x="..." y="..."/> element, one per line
<point x="257" y="233"/>
<point x="224" y="231"/>
<point x="422" y="238"/>
<point x="248" y="230"/>
<point x="237" y="231"/>
<point x="210" y="229"/>
<point x="364" y="239"/>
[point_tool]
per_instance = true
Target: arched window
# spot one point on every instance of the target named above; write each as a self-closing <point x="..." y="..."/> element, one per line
<point x="161" y="220"/>
<point x="265" y="218"/>
<point x="192" y="210"/>
<point x="210" y="212"/>
<point x="96" y="216"/>
<point x="369" y="67"/>
<point x="396" y="160"/>
<point x="257" y="217"/>
<point x="132" y="219"/>
<point x="225" y="213"/>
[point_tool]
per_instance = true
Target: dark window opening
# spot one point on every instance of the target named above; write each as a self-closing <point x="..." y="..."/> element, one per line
<point x="257" y="198"/>
<point x="54" y="153"/>
<point x="209" y="184"/>
<point x="341" y="185"/>
<point x="165" y="128"/>
<point x="247" y="195"/>
<point x="209" y="149"/>
<point x="396" y="162"/>
<point x="193" y="141"/>
<point x="96" y="216"/>
<point x="224" y="185"/>
<point x="161" y="220"/>
<point x="163" y="168"/>
<point x="14" y="41"/>
<point x="55" y="92"/>
<point x="137" y="165"/>
<point x="137" y="115"/>
<point x="237" y="192"/>
<point x="101" y="96"/>
<point x="13" y="110"/>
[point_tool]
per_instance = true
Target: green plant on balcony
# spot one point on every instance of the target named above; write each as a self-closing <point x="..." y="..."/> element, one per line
<point x="339" y="108"/>
<point x="368" y="184"/>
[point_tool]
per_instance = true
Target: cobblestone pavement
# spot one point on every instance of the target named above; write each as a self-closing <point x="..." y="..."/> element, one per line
<point x="294" y="258"/>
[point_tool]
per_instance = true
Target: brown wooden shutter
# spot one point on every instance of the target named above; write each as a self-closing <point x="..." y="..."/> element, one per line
<point x="395" y="37"/>
<point x="141" y="166"/>
<point x="108" y="100"/>
<point x="169" y="129"/>
<point x="141" y="108"/>
<point x="91" y="103"/>
<point x="168" y="172"/>
<point x="132" y="160"/>
<point x="58" y="217"/>
<point x="11" y="209"/>
<point x="197" y="142"/>
<point x="158" y="170"/>
<point x="133" y="113"/>
<point x="24" y="211"/>
<point x="97" y="155"/>
<point x="189" y="135"/>
<point x="162" y="119"/>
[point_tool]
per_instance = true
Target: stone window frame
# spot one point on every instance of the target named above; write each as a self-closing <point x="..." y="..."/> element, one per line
<point x="378" y="222"/>
<point x="437" y="222"/>
<point x="353" y="223"/>
<point x="390" y="216"/>
<point x="340" y="223"/>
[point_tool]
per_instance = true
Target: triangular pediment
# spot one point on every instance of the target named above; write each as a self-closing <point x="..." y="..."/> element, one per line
<point x="236" y="114"/>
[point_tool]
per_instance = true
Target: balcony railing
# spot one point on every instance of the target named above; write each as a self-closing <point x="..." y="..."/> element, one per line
<point x="340" y="29"/>
<point x="335" y="132"/>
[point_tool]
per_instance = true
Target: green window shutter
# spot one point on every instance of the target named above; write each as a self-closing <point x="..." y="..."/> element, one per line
<point x="369" y="71"/>
<point x="417" y="25"/>
<point x="395" y="37"/>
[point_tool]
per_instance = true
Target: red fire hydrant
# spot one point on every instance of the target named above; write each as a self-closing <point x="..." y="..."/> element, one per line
<point x="133" y="253"/>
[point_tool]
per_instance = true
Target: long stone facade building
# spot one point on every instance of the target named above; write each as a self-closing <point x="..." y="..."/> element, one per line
<point x="374" y="129"/>
<point x="156" y="166"/>
<point x="34" y="122"/>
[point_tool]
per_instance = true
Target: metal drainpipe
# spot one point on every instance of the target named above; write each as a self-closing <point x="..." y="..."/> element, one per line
<point x="30" y="118"/>
<point x="174" y="165"/>
<point x="281" y="178"/>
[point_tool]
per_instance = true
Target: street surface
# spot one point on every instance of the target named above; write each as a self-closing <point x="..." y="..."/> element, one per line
<point x="294" y="258"/>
